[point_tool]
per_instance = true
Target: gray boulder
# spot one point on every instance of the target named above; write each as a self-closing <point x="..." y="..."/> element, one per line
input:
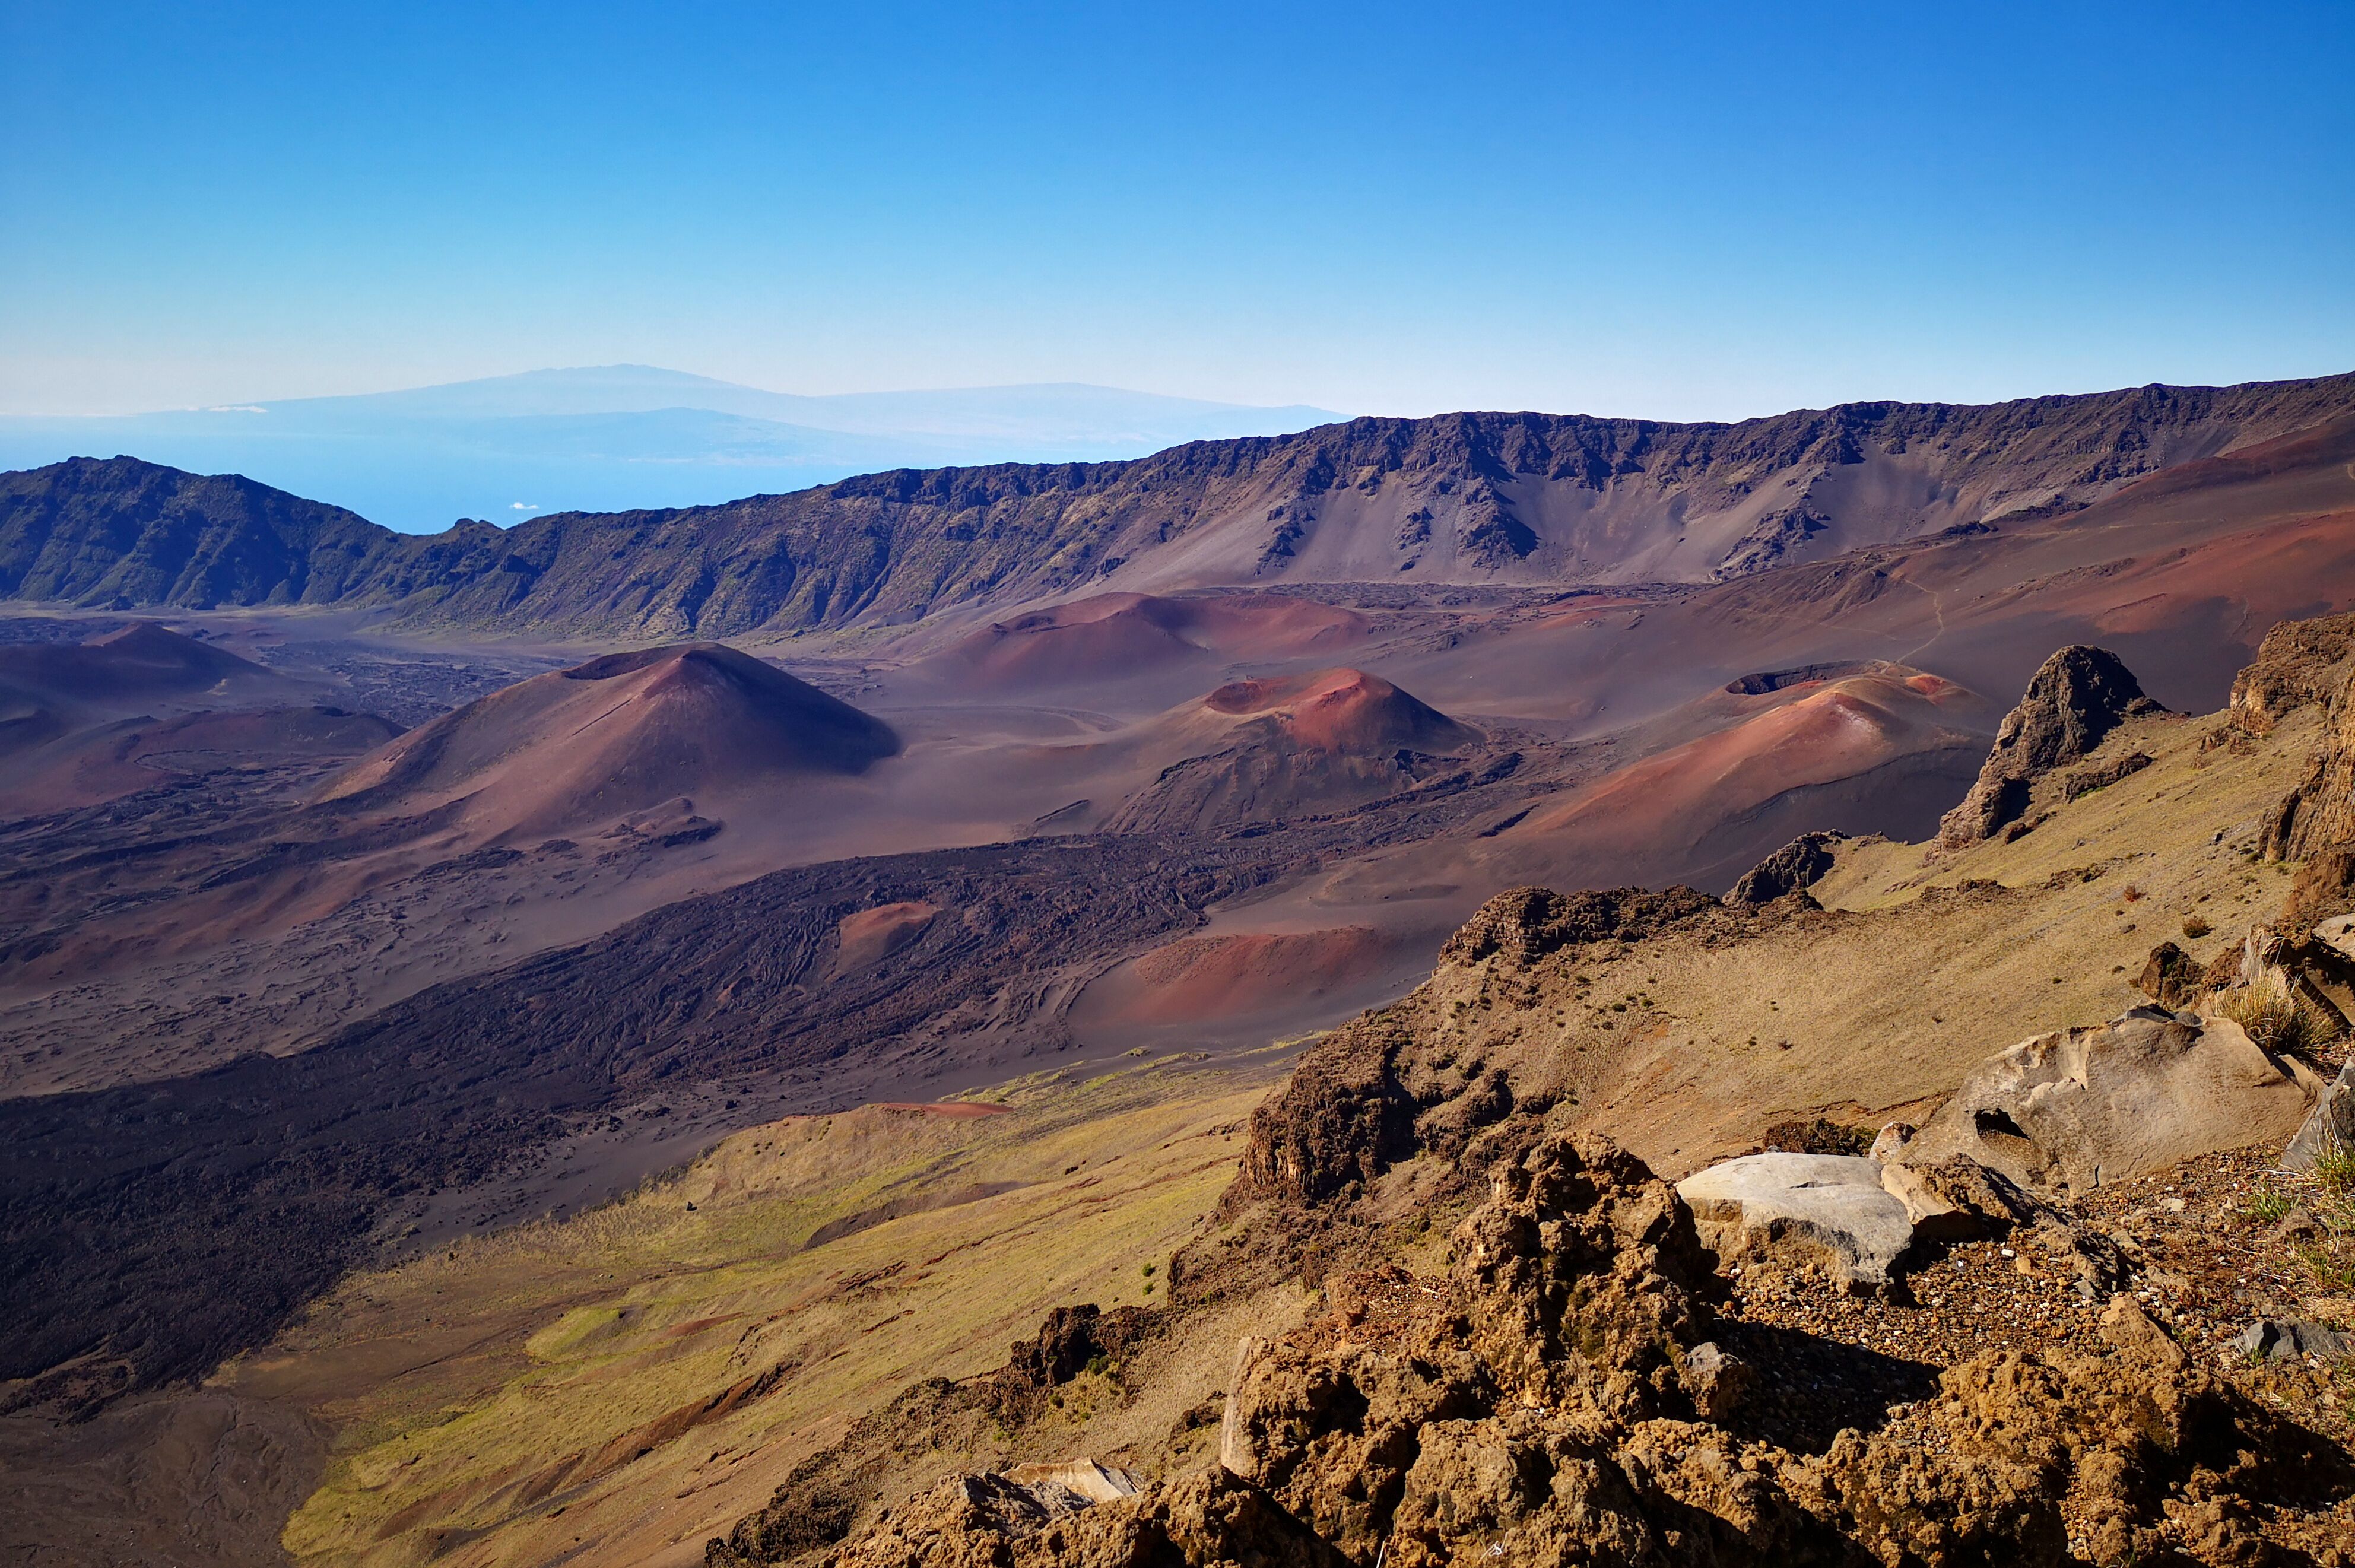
<point x="2285" y="1338"/>
<point x="1828" y="1211"/>
<point x="2330" y="1125"/>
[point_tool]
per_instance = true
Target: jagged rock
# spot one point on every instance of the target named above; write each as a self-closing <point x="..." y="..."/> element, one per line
<point x="1828" y="1211"/>
<point x="1890" y="1141"/>
<point x="1718" y="1381"/>
<point x="1097" y="1483"/>
<point x="1818" y="1134"/>
<point x="2097" y="1266"/>
<point x="2296" y="666"/>
<point x="2172" y="979"/>
<point x="2300" y="1224"/>
<point x="2079" y="696"/>
<point x="1580" y="1244"/>
<point x="1071" y="1336"/>
<point x="1795" y="867"/>
<point x="1460" y="1420"/>
<point x="1959" y="1200"/>
<point x="2315" y="822"/>
<point x="1340" y="1121"/>
<point x="2330" y="1125"/>
<point x="2068" y="1111"/>
<point x="1524" y="924"/>
<point x="2284" y="1339"/>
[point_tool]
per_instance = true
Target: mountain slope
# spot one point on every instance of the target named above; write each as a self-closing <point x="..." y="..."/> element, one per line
<point x="619" y="733"/>
<point x="1536" y="499"/>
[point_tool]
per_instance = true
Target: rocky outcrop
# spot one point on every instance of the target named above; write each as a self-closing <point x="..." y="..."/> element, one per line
<point x="1525" y="925"/>
<point x="2075" y="700"/>
<point x="1340" y="1121"/>
<point x="1795" y="867"/>
<point x="1563" y="1395"/>
<point x="2315" y="822"/>
<point x="2086" y="781"/>
<point x="2067" y="1110"/>
<point x="1004" y="1522"/>
<point x="1072" y="1338"/>
<point x="2297" y="666"/>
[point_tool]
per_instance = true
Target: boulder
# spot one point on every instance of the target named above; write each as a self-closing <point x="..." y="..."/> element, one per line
<point x="2285" y="1338"/>
<point x="1083" y="1477"/>
<point x="2173" y="978"/>
<point x="2079" y="696"/>
<point x="2067" y="1110"/>
<point x="1832" y="1210"/>
<point x="2329" y="1126"/>
<point x="1959" y="1200"/>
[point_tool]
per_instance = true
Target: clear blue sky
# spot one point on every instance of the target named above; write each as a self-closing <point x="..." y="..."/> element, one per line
<point x="1685" y="211"/>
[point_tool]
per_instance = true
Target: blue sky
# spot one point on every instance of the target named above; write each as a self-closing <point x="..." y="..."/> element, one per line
<point x="1682" y="211"/>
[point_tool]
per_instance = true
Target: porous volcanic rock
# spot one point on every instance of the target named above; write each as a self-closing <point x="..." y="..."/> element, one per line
<point x="2297" y="666"/>
<point x="1795" y="867"/>
<point x="1560" y="1395"/>
<point x="2077" y="697"/>
<point x="2171" y="977"/>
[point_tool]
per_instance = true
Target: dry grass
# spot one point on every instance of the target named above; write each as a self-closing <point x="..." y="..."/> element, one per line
<point x="486" y="1366"/>
<point x="2273" y="1014"/>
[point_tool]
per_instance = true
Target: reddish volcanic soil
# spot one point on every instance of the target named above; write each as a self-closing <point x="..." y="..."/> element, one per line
<point x="1343" y="711"/>
<point x="140" y="664"/>
<point x="1116" y="637"/>
<point x="872" y="935"/>
<point x="110" y="761"/>
<point x="1670" y="810"/>
<point x="617" y="734"/>
<point x="1241" y="989"/>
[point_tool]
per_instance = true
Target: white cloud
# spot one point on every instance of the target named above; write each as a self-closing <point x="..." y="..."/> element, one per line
<point x="523" y="506"/>
<point x="238" y="409"/>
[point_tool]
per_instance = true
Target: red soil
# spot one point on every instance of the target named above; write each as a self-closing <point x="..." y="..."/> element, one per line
<point x="871" y="934"/>
<point x="615" y="735"/>
<point x="1343" y="711"/>
<point x="1211" y="978"/>
<point x="129" y="667"/>
<point x="1113" y="635"/>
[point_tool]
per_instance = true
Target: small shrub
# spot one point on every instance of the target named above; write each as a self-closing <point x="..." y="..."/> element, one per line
<point x="1819" y="1135"/>
<point x="2195" y="928"/>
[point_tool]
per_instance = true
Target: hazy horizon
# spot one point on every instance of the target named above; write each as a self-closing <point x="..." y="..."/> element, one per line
<point x="1704" y="212"/>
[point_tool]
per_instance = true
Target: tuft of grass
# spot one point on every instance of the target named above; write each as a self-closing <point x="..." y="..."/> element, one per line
<point x="2195" y="928"/>
<point x="2272" y="1013"/>
<point x="2268" y="1207"/>
<point x="2334" y="1170"/>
